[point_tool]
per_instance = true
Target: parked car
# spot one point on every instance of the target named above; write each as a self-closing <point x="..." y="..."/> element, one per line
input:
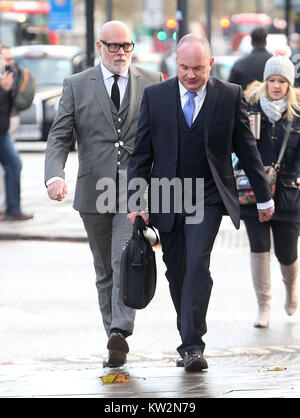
<point x="49" y="64"/>
<point x="222" y="66"/>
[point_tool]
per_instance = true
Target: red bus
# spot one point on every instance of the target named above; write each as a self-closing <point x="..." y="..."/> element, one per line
<point x="33" y="18"/>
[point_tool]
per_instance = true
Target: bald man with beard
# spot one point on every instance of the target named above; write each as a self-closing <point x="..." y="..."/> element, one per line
<point x="102" y="105"/>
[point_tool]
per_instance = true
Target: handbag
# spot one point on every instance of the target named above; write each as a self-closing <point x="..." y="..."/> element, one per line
<point x="138" y="268"/>
<point x="245" y="192"/>
<point x="288" y="179"/>
<point x="25" y="89"/>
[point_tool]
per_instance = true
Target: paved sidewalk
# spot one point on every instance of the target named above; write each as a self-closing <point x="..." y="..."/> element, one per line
<point x="245" y="375"/>
<point x="151" y="379"/>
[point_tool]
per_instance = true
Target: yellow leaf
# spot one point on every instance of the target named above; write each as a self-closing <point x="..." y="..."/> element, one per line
<point x="273" y="369"/>
<point x="114" y="378"/>
<point x="109" y="378"/>
<point x="121" y="378"/>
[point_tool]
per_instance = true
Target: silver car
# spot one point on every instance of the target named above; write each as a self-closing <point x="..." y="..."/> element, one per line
<point x="49" y="64"/>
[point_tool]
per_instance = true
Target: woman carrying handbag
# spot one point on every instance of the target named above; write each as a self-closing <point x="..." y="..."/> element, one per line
<point x="278" y="103"/>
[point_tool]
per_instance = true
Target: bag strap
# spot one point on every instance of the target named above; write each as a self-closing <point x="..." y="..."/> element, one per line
<point x="139" y="226"/>
<point x="156" y="236"/>
<point x="283" y="146"/>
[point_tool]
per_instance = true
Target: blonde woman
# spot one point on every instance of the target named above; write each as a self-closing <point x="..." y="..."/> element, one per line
<point x="277" y="101"/>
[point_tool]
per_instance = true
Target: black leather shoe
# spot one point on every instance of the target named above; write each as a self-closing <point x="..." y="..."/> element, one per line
<point x="115" y="359"/>
<point x="18" y="217"/>
<point x="194" y="361"/>
<point x="179" y="362"/>
<point x="117" y="342"/>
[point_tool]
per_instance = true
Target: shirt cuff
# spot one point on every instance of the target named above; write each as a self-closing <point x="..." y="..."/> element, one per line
<point x="52" y="180"/>
<point x="265" y="205"/>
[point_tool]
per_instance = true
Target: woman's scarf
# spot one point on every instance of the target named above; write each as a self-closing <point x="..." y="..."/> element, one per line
<point x="273" y="109"/>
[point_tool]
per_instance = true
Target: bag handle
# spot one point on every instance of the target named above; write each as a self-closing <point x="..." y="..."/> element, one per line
<point x="283" y="146"/>
<point x="139" y="226"/>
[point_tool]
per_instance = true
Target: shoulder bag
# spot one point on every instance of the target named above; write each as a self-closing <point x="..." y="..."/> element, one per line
<point x="245" y="192"/>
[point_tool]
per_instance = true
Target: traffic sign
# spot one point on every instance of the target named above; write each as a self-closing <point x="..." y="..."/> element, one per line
<point x="61" y="15"/>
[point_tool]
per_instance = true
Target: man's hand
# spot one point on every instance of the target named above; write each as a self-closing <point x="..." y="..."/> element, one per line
<point x="131" y="216"/>
<point x="57" y="190"/>
<point x="265" y="214"/>
<point x="7" y="81"/>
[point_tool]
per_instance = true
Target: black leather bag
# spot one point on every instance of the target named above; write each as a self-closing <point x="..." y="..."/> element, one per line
<point x="138" y="268"/>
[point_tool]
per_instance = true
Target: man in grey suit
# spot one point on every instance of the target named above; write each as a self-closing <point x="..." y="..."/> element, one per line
<point x="102" y="105"/>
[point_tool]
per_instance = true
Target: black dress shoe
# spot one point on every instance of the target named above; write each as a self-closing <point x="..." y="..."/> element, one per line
<point x="18" y="217"/>
<point x="117" y="342"/>
<point x="179" y="362"/>
<point x="115" y="359"/>
<point x="194" y="361"/>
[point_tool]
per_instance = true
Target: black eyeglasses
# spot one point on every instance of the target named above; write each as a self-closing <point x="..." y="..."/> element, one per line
<point x="114" y="47"/>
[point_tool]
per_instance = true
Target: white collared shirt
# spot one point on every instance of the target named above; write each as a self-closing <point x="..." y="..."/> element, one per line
<point x="198" y="99"/>
<point x="108" y="78"/>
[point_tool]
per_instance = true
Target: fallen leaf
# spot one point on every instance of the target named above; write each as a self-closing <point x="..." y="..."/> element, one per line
<point x="120" y="378"/>
<point x="273" y="369"/>
<point x="114" y="378"/>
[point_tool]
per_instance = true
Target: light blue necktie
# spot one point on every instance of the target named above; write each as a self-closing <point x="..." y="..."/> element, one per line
<point x="189" y="107"/>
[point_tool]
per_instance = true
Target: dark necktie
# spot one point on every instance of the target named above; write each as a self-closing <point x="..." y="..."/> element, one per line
<point x="115" y="92"/>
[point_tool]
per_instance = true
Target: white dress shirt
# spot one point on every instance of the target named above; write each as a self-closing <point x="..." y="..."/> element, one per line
<point x="108" y="78"/>
<point x="198" y="99"/>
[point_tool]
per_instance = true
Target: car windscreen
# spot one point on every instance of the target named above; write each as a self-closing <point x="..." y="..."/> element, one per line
<point x="47" y="70"/>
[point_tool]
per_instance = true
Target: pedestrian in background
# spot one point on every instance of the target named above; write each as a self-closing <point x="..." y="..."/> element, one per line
<point x="102" y="104"/>
<point x="251" y="67"/>
<point x="9" y="157"/>
<point x="187" y="129"/>
<point x="10" y="66"/>
<point x="278" y="103"/>
<point x="294" y="43"/>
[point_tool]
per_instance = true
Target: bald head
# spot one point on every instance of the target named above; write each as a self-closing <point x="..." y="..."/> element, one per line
<point x="114" y="27"/>
<point x="194" y="62"/>
<point x="114" y="32"/>
<point x="190" y="39"/>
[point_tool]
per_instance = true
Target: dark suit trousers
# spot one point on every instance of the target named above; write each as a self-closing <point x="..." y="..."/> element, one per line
<point x="186" y="253"/>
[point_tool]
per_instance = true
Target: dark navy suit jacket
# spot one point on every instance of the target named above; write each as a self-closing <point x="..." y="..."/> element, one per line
<point x="226" y="130"/>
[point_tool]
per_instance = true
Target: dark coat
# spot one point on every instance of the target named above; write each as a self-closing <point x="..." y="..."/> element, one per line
<point x="226" y="127"/>
<point x="250" y="67"/>
<point x="287" y="200"/>
<point x="6" y="103"/>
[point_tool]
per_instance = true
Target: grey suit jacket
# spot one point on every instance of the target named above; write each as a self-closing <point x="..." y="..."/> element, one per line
<point x="85" y="108"/>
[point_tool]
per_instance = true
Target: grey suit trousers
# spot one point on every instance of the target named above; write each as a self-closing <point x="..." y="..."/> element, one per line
<point x="107" y="235"/>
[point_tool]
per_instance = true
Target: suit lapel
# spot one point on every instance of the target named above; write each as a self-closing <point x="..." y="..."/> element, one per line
<point x="170" y="114"/>
<point x="211" y="103"/>
<point x="134" y="96"/>
<point x="100" y="93"/>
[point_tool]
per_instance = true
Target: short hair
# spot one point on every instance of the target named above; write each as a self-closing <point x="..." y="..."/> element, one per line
<point x="259" y="36"/>
<point x="195" y="38"/>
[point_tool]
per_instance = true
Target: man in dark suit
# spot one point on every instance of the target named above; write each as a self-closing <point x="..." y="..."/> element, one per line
<point x="188" y="127"/>
<point x="251" y="67"/>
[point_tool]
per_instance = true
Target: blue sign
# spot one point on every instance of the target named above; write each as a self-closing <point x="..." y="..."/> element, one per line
<point x="61" y="15"/>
